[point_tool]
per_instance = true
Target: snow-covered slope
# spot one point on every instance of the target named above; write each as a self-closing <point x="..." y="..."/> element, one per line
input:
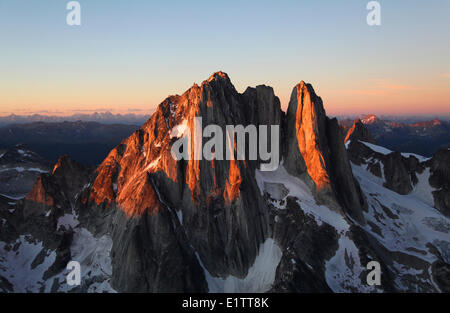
<point x="406" y="226"/>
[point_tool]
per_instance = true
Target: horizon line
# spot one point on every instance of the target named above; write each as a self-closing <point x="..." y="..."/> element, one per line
<point x="141" y="113"/>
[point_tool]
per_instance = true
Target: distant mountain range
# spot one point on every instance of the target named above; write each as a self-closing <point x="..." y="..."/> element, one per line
<point x="421" y="137"/>
<point x="104" y="117"/>
<point x="85" y="142"/>
<point x="405" y="119"/>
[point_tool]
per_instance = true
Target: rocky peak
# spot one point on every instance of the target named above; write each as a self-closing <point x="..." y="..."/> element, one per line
<point x="60" y="187"/>
<point x="315" y="154"/>
<point x="437" y="121"/>
<point x="151" y="192"/>
<point x="306" y="125"/>
<point x="148" y="150"/>
<point x="219" y="76"/>
<point x="66" y="164"/>
<point x="142" y="180"/>
<point x="370" y="119"/>
<point x="359" y="132"/>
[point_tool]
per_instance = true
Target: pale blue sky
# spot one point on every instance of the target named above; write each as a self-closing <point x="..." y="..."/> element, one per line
<point x="131" y="54"/>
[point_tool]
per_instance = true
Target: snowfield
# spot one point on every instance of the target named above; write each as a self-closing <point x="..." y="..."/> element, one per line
<point x="17" y="264"/>
<point x="260" y="276"/>
<point x="20" y="266"/>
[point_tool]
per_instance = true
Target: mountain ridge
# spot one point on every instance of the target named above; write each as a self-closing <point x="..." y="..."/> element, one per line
<point x="156" y="224"/>
<point x="420" y="137"/>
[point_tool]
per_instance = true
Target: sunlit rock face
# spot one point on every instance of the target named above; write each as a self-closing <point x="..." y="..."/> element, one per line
<point x="315" y="154"/>
<point x="306" y="119"/>
<point x="210" y="212"/>
<point x="440" y="180"/>
<point x="217" y="206"/>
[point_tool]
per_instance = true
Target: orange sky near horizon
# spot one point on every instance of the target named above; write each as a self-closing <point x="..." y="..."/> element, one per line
<point x="377" y="96"/>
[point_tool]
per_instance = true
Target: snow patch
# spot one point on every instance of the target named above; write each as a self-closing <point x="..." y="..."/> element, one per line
<point x="260" y="277"/>
<point x="13" y="197"/>
<point x="298" y="189"/>
<point x="343" y="270"/>
<point x="376" y="148"/>
<point x="93" y="254"/>
<point x="21" y="169"/>
<point x="180" y="216"/>
<point x="67" y="220"/>
<point x="423" y="189"/>
<point x="179" y="130"/>
<point x="347" y="144"/>
<point x="16" y="264"/>
<point x="417" y="156"/>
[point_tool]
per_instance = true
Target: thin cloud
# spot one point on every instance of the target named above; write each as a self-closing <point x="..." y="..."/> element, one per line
<point x="446" y="75"/>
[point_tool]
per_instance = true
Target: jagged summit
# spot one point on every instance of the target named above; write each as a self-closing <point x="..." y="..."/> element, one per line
<point x="66" y="174"/>
<point x="313" y="149"/>
<point x="370" y="119"/>
<point x="302" y="85"/>
<point x="359" y="132"/>
<point x="219" y="75"/>
<point x="62" y="163"/>
<point x="316" y="153"/>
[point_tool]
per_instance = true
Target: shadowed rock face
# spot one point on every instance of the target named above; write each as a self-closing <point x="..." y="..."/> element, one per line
<point x="19" y="168"/>
<point x="58" y="188"/>
<point x="359" y="132"/>
<point x="399" y="172"/>
<point x="440" y="180"/>
<point x="315" y="153"/>
<point x="346" y="188"/>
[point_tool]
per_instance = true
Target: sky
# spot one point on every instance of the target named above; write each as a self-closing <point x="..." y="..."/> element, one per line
<point x="127" y="56"/>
